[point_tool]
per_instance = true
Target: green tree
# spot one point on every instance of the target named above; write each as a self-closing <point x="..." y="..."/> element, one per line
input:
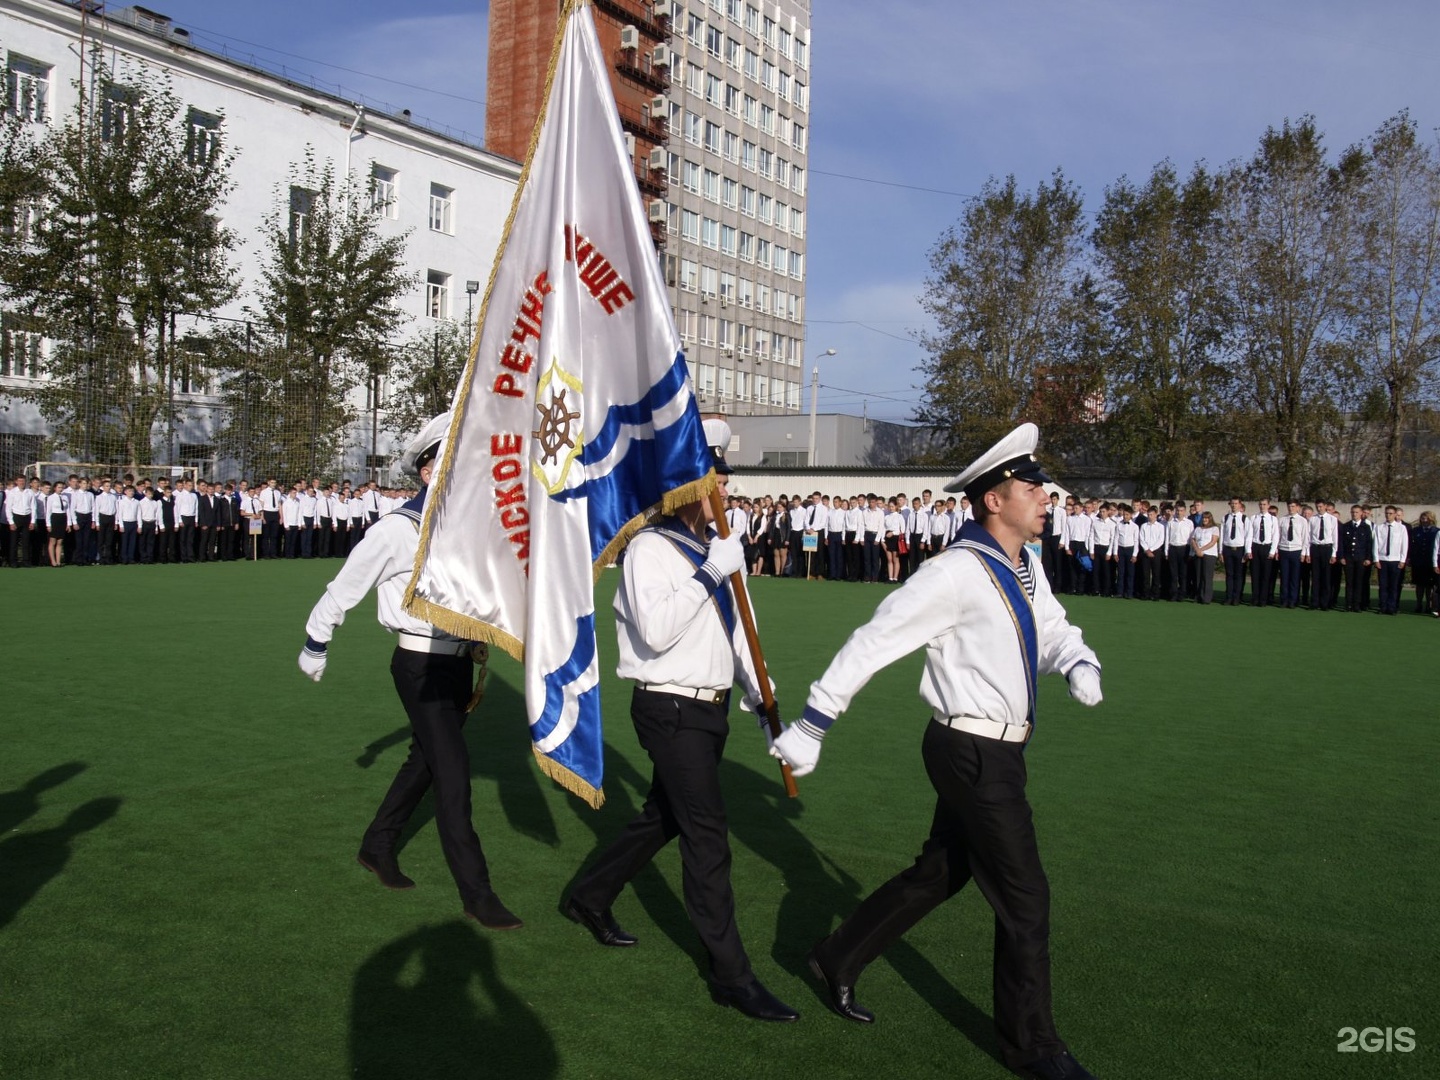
<point x="1157" y="249"/>
<point x="127" y="235"/>
<point x="327" y="305"/>
<point x="424" y="376"/>
<point x="1397" y="289"/>
<point x="1002" y="291"/>
<point x="1290" y="231"/>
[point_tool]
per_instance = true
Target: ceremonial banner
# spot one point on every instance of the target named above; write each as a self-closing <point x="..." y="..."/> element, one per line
<point x="573" y="421"/>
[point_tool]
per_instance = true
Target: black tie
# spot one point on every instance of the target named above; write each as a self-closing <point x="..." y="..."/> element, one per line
<point x="1385" y="547"/>
<point x="1291" y="534"/>
<point x="1233" y="526"/>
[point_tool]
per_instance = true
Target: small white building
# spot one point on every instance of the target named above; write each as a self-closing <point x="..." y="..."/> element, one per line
<point x="451" y="194"/>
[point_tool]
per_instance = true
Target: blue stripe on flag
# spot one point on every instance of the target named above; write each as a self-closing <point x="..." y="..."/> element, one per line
<point x="582" y="652"/>
<point x="583" y="753"/>
<point x="639" y="412"/>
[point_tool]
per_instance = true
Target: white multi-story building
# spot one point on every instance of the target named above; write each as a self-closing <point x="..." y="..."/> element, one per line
<point x="735" y="210"/>
<point x="451" y="195"/>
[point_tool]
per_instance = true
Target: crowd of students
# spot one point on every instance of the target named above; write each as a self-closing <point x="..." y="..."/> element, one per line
<point x="77" y="522"/>
<point x="1301" y="556"/>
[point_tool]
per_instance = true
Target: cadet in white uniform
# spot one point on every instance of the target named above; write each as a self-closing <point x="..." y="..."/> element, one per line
<point x="680" y="642"/>
<point x="432" y="672"/>
<point x="989" y="624"/>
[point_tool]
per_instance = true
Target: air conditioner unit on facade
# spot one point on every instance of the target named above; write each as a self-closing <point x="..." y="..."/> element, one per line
<point x="629" y="143"/>
<point x="659" y="212"/>
<point x="629" y="37"/>
<point x="662" y="56"/>
<point x="659" y="106"/>
<point x="657" y="158"/>
<point x="661" y="9"/>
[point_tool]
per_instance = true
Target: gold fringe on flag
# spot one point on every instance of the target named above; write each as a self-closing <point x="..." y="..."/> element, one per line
<point x="569" y="781"/>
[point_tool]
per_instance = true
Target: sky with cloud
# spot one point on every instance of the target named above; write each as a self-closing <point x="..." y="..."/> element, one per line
<point x="915" y="104"/>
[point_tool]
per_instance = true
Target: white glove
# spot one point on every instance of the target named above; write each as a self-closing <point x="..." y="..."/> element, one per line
<point x="797" y="748"/>
<point x="727" y="556"/>
<point x="312" y="663"/>
<point x="1085" y="684"/>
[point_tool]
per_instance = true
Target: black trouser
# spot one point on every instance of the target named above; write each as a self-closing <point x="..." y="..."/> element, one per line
<point x="1262" y="568"/>
<point x="1104" y="570"/>
<point x="980" y="830"/>
<point x="1205" y="579"/>
<point x="1392" y="577"/>
<point x="1147" y="575"/>
<point x="917" y="553"/>
<point x="323" y="533"/>
<point x="1234" y="573"/>
<point x="1323" y="584"/>
<point x="307" y="537"/>
<point x="434" y="690"/>
<point x="269" y="533"/>
<point x="685" y="739"/>
<point x="1175" y="556"/>
<point x="1079" y="578"/>
<point x="874" y="554"/>
<point x="105" y="542"/>
<point x="20" y="540"/>
<point x="1124" y="572"/>
<point x="1050" y="559"/>
<point x="187" y="539"/>
<point x="207" y="543"/>
<point x="147" y="542"/>
<point x="292" y="541"/>
<point x="84" y="553"/>
<point x="1290" y="578"/>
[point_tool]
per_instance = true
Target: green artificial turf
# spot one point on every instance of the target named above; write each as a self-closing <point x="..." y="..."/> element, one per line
<point x="1241" y="842"/>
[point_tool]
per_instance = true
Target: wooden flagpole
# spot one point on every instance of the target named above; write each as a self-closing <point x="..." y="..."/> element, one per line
<point x="747" y="620"/>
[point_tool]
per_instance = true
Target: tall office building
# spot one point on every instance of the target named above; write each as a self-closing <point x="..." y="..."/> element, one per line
<point x="713" y="96"/>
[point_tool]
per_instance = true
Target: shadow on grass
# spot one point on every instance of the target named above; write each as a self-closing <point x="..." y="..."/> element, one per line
<point x="819" y="894"/>
<point x="20" y="805"/>
<point x="498" y="738"/>
<point x="433" y="1004"/>
<point x="30" y="860"/>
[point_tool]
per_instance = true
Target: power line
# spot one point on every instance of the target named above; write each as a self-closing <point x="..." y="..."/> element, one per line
<point x="891" y="183"/>
<point x="864" y="326"/>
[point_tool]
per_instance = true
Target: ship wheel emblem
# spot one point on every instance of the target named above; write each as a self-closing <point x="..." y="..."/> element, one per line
<point x="554" y="434"/>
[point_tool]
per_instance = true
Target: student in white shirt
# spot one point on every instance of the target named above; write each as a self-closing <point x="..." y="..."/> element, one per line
<point x="1205" y="543"/>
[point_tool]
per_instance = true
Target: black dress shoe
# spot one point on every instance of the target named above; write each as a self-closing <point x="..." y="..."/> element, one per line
<point x="384" y="866"/>
<point x="755" y="1002"/>
<point x="1057" y="1067"/>
<point x="490" y="913"/>
<point x="600" y="923"/>
<point x="841" y="996"/>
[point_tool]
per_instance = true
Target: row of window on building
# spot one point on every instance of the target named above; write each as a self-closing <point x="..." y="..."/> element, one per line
<point x="28" y="97"/>
<point x="729" y="288"/>
<point x="734" y="338"/>
<point x="747" y="107"/>
<point x="385" y="197"/>
<point x="733" y="195"/>
<point x="712" y="35"/>
<point x="737" y="384"/>
<point x="739" y="244"/>
<point x="726" y="144"/>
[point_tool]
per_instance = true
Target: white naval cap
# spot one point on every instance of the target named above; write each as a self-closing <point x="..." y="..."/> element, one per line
<point x="717" y="436"/>
<point x="1013" y="456"/>
<point x="426" y="445"/>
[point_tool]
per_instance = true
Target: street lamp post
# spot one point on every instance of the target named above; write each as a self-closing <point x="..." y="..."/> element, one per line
<point x="814" y="393"/>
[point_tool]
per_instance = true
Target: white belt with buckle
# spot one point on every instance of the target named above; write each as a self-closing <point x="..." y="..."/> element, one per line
<point x="440" y="646"/>
<point x="987" y="729"/>
<point x="702" y="693"/>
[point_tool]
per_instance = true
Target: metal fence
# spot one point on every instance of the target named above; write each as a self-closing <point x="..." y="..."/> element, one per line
<point x="210" y="394"/>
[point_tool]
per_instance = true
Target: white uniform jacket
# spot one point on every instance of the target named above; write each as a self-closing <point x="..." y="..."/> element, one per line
<point x="667" y="623"/>
<point x="974" y="664"/>
<point x="383" y="561"/>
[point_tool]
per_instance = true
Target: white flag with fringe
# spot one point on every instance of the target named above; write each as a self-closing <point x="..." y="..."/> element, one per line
<point x="573" y="420"/>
